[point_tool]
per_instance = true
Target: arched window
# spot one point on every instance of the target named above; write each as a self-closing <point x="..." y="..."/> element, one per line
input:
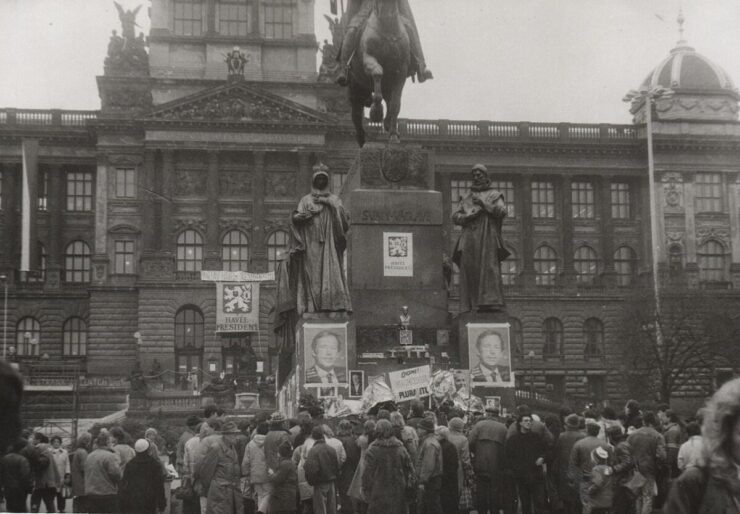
<point x="28" y="336"/>
<point x="712" y="262"/>
<point x="189" y="339"/>
<point x="593" y="335"/>
<point x="235" y="251"/>
<point x="509" y="270"/>
<point x="75" y="337"/>
<point x="586" y="265"/>
<point x="189" y="251"/>
<point x="277" y="245"/>
<point x="545" y="266"/>
<point x="517" y="337"/>
<point x="553" y="332"/>
<point x="624" y="265"/>
<point x="77" y="262"/>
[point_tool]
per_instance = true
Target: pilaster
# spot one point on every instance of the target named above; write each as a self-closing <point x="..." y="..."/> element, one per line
<point x="259" y="259"/>
<point x="166" y="239"/>
<point x="304" y="171"/>
<point x="606" y="228"/>
<point x="525" y="193"/>
<point x="212" y="257"/>
<point x="100" y="257"/>
<point x="148" y="172"/>
<point x="689" y="206"/>
<point x="733" y="190"/>
<point x="568" y="273"/>
<point x="55" y="194"/>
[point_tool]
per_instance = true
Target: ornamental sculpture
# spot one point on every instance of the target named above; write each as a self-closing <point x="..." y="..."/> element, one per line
<point x="235" y="61"/>
<point x="127" y="53"/>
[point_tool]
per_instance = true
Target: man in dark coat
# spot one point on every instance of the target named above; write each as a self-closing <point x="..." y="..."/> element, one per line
<point x="428" y="469"/>
<point x="450" y="492"/>
<point x="622" y="468"/>
<point x="16" y="478"/>
<point x="322" y="469"/>
<point x="11" y="392"/>
<point x="581" y="462"/>
<point x="142" y="487"/>
<point x="487" y="439"/>
<point x="389" y="473"/>
<point x="525" y="456"/>
<point x="561" y="464"/>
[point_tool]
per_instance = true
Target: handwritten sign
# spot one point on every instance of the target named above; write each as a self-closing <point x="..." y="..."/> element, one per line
<point x="407" y="384"/>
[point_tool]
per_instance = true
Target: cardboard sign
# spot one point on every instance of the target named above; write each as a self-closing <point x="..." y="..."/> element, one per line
<point x="398" y="254"/>
<point x="410" y="383"/>
<point x="237" y="306"/>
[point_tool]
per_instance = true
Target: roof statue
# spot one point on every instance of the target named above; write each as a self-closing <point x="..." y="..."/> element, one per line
<point x="380" y="49"/>
<point x="128" y="21"/>
<point x="127" y="53"/>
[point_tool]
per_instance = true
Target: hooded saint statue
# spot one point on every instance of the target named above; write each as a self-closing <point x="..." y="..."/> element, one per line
<point x="318" y="239"/>
<point x="480" y="249"/>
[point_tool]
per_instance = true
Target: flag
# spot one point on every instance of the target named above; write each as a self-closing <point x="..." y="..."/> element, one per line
<point x="333" y="6"/>
<point x="29" y="204"/>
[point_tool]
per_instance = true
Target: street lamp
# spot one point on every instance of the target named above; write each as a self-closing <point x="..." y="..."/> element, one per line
<point x="648" y="96"/>
<point x="530" y="356"/>
<point x="4" y="278"/>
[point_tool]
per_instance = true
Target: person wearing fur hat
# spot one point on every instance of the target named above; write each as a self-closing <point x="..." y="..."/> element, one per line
<point x="560" y="467"/>
<point x="318" y="231"/>
<point x="428" y="469"/>
<point x="142" y="488"/>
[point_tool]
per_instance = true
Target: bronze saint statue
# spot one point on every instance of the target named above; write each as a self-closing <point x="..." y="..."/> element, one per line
<point x="318" y="239"/>
<point x="480" y="248"/>
<point x="376" y="66"/>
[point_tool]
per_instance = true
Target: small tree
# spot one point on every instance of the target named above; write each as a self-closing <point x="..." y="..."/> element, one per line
<point x="677" y="348"/>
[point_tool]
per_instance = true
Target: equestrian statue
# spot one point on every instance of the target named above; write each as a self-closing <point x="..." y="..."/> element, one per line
<point x="380" y="49"/>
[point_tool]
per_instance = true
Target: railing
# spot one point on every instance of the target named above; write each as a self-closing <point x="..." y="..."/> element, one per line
<point x="488" y="130"/>
<point x="45" y="117"/>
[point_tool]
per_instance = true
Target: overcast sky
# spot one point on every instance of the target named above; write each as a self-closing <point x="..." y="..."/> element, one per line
<point x="507" y="60"/>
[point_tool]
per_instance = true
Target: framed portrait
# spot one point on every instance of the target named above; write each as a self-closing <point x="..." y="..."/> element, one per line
<point x="494" y="401"/>
<point x="325" y="354"/>
<point x="489" y="352"/>
<point x="356" y="383"/>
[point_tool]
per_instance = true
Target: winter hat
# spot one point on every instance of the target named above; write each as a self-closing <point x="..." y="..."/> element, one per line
<point x="277" y="416"/>
<point x="141" y="446"/>
<point x="599" y="454"/>
<point x="572" y="421"/>
<point x="456" y="424"/>
<point x="230" y="428"/>
<point x="426" y="424"/>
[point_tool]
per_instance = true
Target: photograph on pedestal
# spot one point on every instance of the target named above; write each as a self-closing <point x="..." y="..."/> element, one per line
<point x="490" y="354"/>
<point x="325" y="354"/>
<point x="356" y="383"/>
<point x="494" y="402"/>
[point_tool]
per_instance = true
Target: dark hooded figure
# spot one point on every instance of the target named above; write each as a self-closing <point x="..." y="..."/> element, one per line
<point x="318" y="229"/>
<point x="480" y="249"/>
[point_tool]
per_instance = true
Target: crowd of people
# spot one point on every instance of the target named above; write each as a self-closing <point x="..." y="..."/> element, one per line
<point x="405" y="460"/>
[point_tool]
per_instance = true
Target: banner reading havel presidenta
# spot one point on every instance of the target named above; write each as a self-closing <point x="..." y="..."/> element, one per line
<point x="237" y="306"/>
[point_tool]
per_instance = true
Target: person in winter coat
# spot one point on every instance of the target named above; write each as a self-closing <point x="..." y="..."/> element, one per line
<point x="405" y="433"/>
<point x="691" y="452"/>
<point x="389" y="473"/>
<point x="458" y="439"/>
<point x="601" y="488"/>
<point x="428" y="469"/>
<point x="355" y="488"/>
<point x="450" y="491"/>
<point x="334" y="443"/>
<point x="120" y="444"/>
<point x="77" y="471"/>
<point x="284" y="483"/>
<point x="102" y="475"/>
<point x="254" y="467"/>
<point x="188" y="480"/>
<point x="322" y="469"/>
<point x="714" y="486"/>
<point x="622" y="467"/>
<point x="276" y="436"/>
<point x="487" y="439"/>
<point x="221" y="473"/>
<point x="567" y="491"/>
<point x="347" y="470"/>
<point x="581" y="462"/>
<point x="648" y="454"/>
<point x="16" y="478"/>
<point x="525" y="456"/>
<point x="46" y="476"/>
<point x="673" y="433"/>
<point x="61" y="461"/>
<point x="142" y="488"/>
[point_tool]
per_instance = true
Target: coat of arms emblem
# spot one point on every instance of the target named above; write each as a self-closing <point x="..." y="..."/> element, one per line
<point x="237" y="298"/>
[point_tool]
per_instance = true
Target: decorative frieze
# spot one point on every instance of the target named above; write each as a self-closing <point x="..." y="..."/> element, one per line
<point x="190" y="183"/>
<point x="280" y="185"/>
<point x="234" y="183"/>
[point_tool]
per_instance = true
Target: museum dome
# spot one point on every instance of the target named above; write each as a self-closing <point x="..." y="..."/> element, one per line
<point x="684" y="68"/>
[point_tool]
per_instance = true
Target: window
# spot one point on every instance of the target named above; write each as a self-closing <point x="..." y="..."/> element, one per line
<point x="189" y="251"/>
<point x="543" y="200"/>
<point x="517" y="337"/>
<point x="43" y="190"/>
<point x="507" y="188"/>
<point x="586" y="265"/>
<point x="75" y="337"/>
<point x="555" y="386"/>
<point x="712" y="262"/>
<point x="593" y="335"/>
<point x="27" y="336"/>
<point x="79" y="191"/>
<point x="624" y="265"/>
<point x="237" y="354"/>
<point x="189" y="339"/>
<point x="125" y="182"/>
<point x="235" y="251"/>
<point x="277" y="245"/>
<point x="124" y="258"/>
<point x="582" y="199"/>
<point x="708" y="192"/>
<point x="278" y="18"/>
<point x="620" y="195"/>
<point x="545" y="266"/>
<point x="233" y="17"/>
<point x="459" y="190"/>
<point x="509" y="270"/>
<point x="553" y="331"/>
<point x="77" y="262"/>
<point x="188" y="17"/>
<point x="337" y="181"/>
<point x="595" y="389"/>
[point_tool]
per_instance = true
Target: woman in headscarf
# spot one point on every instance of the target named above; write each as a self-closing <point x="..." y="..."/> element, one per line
<point x="388" y="473"/>
<point x="714" y="487"/>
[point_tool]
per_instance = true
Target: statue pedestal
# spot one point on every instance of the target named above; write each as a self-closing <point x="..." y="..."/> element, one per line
<point x="474" y="317"/>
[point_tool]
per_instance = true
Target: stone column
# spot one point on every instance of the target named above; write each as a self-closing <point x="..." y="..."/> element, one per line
<point x="165" y="188"/>
<point x="259" y="234"/>
<point x="55" y="194"/>
<point x="692" y="266"/>
<point x="304" y="171"/>
<point x="733" y="207"/>
<point x="100" y="256"/>
<point x="606" y="227"/>
<point x="569" y="273"/>
<point x="524" y="190"/>
<point x="146" y="179"/>
<point x="213" y="254"/>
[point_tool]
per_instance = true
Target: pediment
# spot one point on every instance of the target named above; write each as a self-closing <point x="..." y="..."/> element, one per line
<point x="237" y="103"/>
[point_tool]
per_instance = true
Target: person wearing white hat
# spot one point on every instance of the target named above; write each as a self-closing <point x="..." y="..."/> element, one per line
<point x="601" y="488"/>
<point x="142" y="488"/>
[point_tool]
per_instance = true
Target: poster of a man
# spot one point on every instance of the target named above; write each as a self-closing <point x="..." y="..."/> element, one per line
<point x="490" y="354"/>
<point x="356" y="379"/>
<point x="325" y="354"/>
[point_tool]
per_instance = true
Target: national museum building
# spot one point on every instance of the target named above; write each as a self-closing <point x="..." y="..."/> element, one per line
<point x="190" y="165"/>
